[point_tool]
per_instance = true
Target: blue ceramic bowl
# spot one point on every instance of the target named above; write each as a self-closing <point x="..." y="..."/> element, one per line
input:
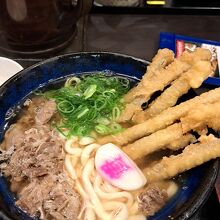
<point x="195" y="185"/>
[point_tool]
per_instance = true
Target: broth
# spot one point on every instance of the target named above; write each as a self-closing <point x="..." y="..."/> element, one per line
<point x="37" y="163"/>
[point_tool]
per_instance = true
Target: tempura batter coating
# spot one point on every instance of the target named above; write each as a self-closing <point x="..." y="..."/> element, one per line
<point x="163" y="58"/>
<point x="193" y="78"/>
<point x="166" y="55"/>
<point x="181" y="142"/>
<point x="201" y="116"/>
<point x="204" y="114"/>
<point x="156" y="141"/>
<point x="192" y="156"/>
<point x="164" y="119"/>
<point x="159" y="80"/>
<point x="206" y="139"/>
<point x="157" y="83"/>
<point x="208" y="97"/>
<point x="174" y="145"/>
<point x="198" y="54"/>
<point x="130" y="110"/>
<point x="160" y="60"/>
<point x="163" y="78"/>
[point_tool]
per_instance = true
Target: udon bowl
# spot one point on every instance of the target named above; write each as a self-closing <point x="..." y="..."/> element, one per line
<point x="195" y="185"/>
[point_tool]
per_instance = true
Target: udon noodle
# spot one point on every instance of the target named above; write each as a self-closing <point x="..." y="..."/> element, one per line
<point x="101" y="199"/>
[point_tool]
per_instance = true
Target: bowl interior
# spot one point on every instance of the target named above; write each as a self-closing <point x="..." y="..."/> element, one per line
<point x="194" y="185"/>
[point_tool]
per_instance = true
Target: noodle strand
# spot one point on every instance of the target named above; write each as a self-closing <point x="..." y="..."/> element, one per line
<point x="98" y="208"/>
<point x="101" y="200"/>
<point x="121" y="211"/>
<point x="70" y="149"/>
<point x="87" y="151"/>
<point x="70" y="167"/>
<point x="115" y="195"/>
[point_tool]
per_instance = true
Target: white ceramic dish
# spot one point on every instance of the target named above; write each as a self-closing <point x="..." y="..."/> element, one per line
<point x="8" y="68"/>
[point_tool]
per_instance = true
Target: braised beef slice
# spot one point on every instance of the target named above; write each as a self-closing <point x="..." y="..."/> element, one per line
<point x="40" y="111"/>
<point x="35" y="159"/>
<point x="62" y="201"/>
<point x="32" y="196"/>
<point x="6" y="155"/>
<point x="14" y="136"/>
<point x="39" y="153"/>
<point x="45" y="112"/>
<point x="151" y="200"/>
<point x="55" y="200"/>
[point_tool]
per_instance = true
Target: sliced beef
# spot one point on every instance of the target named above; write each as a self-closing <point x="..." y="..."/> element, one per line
<point x="151" y="200"/>
<point x="33" y="160"/>
<point x="62" y="202"/>
<point x="41" y="152"/>
<point x="40" y="160"/>
<point x="16" y="187"/>
<point x="14" y="136"/>
<point x="53" y="199"/>
<point x="6" y="155"/>
<point x="39" y="111"/>
<point x="32" y="196"/>
<point x="45" y="112"/>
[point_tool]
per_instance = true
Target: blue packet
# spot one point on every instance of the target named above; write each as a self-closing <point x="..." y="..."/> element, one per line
<point x="179" y="43"/>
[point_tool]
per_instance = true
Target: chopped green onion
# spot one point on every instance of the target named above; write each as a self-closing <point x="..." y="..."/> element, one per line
<point x="102" y="129"/>
<point x="115" y="127"/>
<point x="72" y="81"/>
<point x="109" y="92"/>
<point x="82" y="113"/>
<point x="103" y="121"/>
<point x="90" y="103"/>
<point x="65" y="107"/>
<point x="90" y="91"/>
<point x="125" y="82"/>
<point x="115" y="113"/>
<point x="60" y="130"/>
<point x="100" y="103"/>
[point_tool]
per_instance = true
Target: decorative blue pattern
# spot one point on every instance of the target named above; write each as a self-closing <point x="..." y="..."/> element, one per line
<point x="194" y="188"/>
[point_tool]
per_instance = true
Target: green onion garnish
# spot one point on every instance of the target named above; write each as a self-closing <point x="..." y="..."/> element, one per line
<point x="91" y="103"/>
<point x="90" y="91"/>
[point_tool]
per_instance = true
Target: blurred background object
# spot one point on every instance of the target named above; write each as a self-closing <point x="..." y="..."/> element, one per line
<point x="37" y="27"/>
<point x="119" y="3"/>
<point x="158" y="3"/>
<point x="195" y="3"/>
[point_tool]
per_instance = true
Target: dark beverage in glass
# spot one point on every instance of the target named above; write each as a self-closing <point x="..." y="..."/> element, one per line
<point x="39" y="25"/>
